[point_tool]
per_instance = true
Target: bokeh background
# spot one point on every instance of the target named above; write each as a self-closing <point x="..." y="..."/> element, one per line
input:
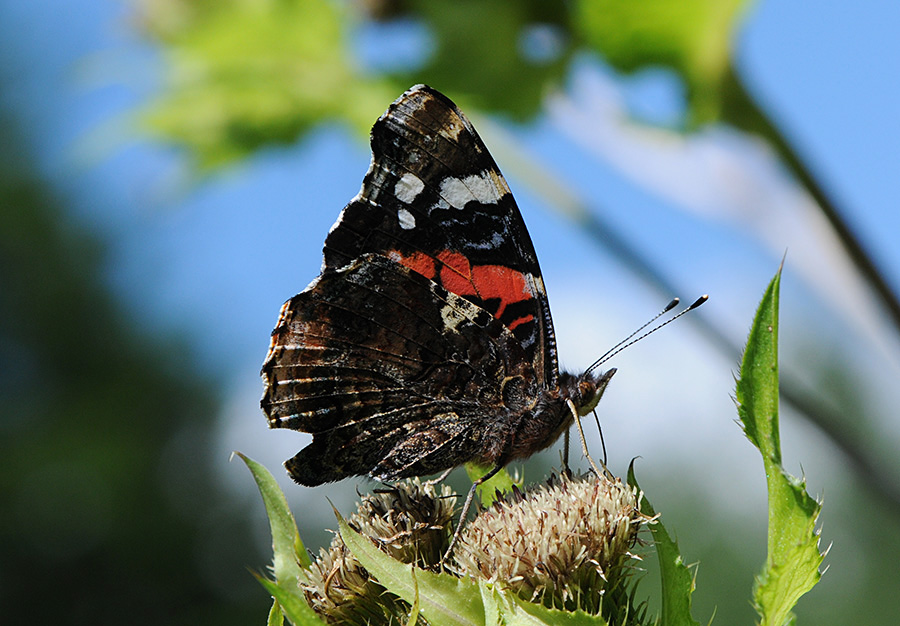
<point x="168" y="172"/>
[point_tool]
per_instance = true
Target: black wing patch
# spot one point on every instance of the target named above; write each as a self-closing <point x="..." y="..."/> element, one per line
<point x="434" y="200"/>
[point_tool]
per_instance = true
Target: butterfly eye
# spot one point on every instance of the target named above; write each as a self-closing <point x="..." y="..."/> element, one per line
<point x="586" y="389"/>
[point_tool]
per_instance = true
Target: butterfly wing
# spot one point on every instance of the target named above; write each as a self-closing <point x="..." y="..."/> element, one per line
<point x="435" y="201"/>
<point x="427" y="339"/>
<point x="391" y="373"/>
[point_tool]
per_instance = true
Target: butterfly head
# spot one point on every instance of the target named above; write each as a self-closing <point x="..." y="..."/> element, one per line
<point x="585" y="390"/>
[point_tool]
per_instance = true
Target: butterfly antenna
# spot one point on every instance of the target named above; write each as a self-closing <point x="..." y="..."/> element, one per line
<point x="631" y="339"/>
<point x="606" y="354"/>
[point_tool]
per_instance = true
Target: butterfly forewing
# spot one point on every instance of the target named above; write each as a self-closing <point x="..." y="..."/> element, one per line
<point x="435" y="201"/>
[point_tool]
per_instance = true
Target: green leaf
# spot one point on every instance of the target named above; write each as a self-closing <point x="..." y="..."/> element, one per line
<point x="677" y="580"/>
<point x="793" y="560"/>
<point x="292" y="603"/>
<point x="487" y="491"/>
<point x="276" y="616"/>
<point x="290" y="557"/>
<point x="517" y="612"/>
<point x="693" y="37"/>
<point x="757" y="387"/>
<point x="244" y="75"/>
<point x="442" y="598"/>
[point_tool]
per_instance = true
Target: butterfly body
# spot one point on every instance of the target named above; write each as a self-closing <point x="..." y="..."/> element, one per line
<point x="426" y="342"/>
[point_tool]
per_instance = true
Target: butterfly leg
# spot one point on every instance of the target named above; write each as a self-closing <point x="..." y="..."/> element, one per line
<point x="602" y="440"/>
<point x="465" y="511"/>
<point x="584" y="448"/>
<point x="439" y="479"/>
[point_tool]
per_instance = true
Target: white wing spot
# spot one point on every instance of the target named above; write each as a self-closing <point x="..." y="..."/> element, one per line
<point x="451" y="317"/>
<point x="455" y="192"/>
<point x="486" y="187"/>
<point x="483" y="188"/>
<point x="408" y="188"/>
<point x="407" y="220"/>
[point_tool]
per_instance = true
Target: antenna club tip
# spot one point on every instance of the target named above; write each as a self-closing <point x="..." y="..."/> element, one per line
<point x="671" y="305"/>
<point x="699" y="301"/>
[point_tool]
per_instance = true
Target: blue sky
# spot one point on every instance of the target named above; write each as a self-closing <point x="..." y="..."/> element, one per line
<point x="215" y="262"/>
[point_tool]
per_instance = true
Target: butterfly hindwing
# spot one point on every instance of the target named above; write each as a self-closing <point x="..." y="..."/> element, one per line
<point x="392" y="374"/>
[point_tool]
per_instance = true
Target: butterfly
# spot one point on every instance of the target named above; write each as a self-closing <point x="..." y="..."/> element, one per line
<point x="426" y="342"/>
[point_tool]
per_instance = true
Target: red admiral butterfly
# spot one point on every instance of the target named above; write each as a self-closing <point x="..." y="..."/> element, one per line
<point x="426" y="342"/>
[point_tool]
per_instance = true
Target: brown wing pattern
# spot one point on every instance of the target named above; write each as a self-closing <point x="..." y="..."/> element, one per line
<point x="386" y="369"/>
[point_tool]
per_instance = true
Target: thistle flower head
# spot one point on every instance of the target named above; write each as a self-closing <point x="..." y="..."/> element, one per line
<point x="410" y="522"/>
<point x="566" y="544"/>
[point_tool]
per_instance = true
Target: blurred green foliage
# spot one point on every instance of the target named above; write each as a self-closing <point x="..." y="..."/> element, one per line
<point x="247" y="74"/>
<point x="693" y="37"/>
<point x="243" y="74"/>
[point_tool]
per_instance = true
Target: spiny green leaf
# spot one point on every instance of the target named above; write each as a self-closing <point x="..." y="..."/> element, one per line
<point x="292" y="603"/>
<point x="677" y="580"/>
<point x="793" y="569"/>
<point x="792" y="564"/>
<point x="757" y="388"/>
<point x="517" y="612"/>
<point x="290" y="557"/>
<point x="442" y="598"/>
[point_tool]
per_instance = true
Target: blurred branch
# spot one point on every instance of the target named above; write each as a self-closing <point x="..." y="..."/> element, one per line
<point x="825" y="418"/>
<point x="742" y="111"/>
